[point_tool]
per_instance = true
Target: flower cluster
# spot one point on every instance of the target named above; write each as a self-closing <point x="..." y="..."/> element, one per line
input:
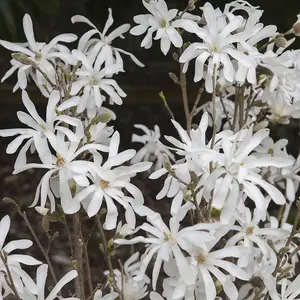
<point x="231" y="232"/>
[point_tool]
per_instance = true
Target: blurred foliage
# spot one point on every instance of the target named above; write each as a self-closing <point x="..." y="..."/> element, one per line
<point x="11" y="11"/>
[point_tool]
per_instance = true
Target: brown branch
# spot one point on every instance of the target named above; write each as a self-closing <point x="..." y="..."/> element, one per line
<point x="77" y="244"/>
<point x="107" y="255"/>
<point x="11" y="283"/>
<point x="87" y="264"/>
<point x="36" y="239"/>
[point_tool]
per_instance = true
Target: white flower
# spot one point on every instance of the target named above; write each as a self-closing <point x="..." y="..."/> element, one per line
<point x="217" y="47"/>
<point x="41" y="132"/>
<point x="250" y="233"/>
<point x="133" y="288"/>
<point x="153" y="149"/>
<point x="42" y="54"/>
<point x="206" y="262"/>
<point x="290" y="175"/>
<point x="162" y="21"/>
<point x="111" y="296"/>
<point x="290" y="290"/>
<point x="270" y="148"/>
<point x="195" y="147"/>
<point x="13" y="261"/>
<point x="92" y="78"/>
<point x="101" y="49"/>
<point x="66" y="167"/>
<point x="108" y="180"/>
<point x="239" y="165"/>
<point x="41" y="277"/>
<point x="168" y="242"/>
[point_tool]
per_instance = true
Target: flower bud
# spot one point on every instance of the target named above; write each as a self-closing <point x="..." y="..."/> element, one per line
<point x="42" y="211"/>
<point x="191" y="5"/>
<point x="296" y="27"/>
<point x="174" y="77"/>
<point x="280" y="41"/>
<point x="22" y="58"/>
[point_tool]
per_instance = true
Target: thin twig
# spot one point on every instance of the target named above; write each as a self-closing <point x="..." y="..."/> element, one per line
<point x="122" y="278"/>
<point x="77" y="243"/>
<point x="107" y="255"/>
<point x="11" y="283"/>
<point x="36" y="239"/>
<point x="185" y="97"/>
<point x="226" y="112"/>
<point x="45" y="76"/>
<point x="87" y="264"/>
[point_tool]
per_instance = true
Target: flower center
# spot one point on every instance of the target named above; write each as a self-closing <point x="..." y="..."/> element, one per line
<point x="167" y="236"/>
<point x="103" y="184"/>
<point x="60" y="162"/>
<point x="43" y="127"/>
<point x="249" y="230"/>
<point x="93" y="81"/>
<point x="271" y="151"/>
<point x="164" y="23"/>
<point x="201" y="259"/>
<point x="37" y="55"/>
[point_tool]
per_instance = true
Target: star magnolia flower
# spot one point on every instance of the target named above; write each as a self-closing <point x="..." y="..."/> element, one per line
<point x="290" y="290"/>
<point x="249" y="232"/>
<point x="133" y="289"/>
<point x="92" y="79"/>
<point x="162" y="21"/>
<point x="174" y="188"/>
<point x="207" y="262"/>
<point x="41" y="275"/>
<point x="217" y="47"/>
<point x="238" y="165"/>
<point x="41" y="132"/>
<point x="42" y="54"/>
<point x="67" y="168"/>
<point x="153" y="149"/>
<point x="111" y="296"/>
<point x="195" y="147"/>
<point x="13" y="261"/>
<point x="263" y="271"/>
<point x="288" y="178"/>
<point x="101" y="49"/>
<point x="110" y="188"/>
<point x="167" y="242"/>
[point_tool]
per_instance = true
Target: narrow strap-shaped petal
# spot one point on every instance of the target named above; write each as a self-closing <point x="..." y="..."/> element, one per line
<point x="61" y="283"/>
<point x="29" y="33"/>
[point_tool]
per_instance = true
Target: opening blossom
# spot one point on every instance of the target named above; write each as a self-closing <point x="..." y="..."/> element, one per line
<point x="101" y="48"/>
<point x="41" y="132"/>
<point x="217" y="47"/>
<point x="108" y="180"/>
<point x="168" y="242"/>
<point x="13" y="261"/>
<point x="41" y="54"/>
<point x="164" y="22"/>
<point x="153" y="149"/>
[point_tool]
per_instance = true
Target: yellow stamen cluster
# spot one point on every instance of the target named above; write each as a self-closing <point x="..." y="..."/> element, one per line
<point x="167" y="236"/>
<point x="103" y="184"/>
<point x="201" y="259"/>
<point x="249" y="230"/>
<point x="60" y="162"/>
